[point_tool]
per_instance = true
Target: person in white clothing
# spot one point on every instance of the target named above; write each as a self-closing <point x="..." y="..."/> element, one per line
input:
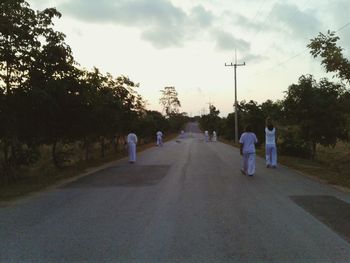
<point x="132" y="141"/>
<point x="270" y="144"/>
<point x="206" y="135"/>
<point x="159" y="138"/>
<point x="214" y="138"/>
<point x="182" y="135"/>
<point x="247" y="149"/>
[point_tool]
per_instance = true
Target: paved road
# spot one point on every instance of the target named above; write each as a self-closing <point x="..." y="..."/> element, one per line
<point x="183" y="202"/>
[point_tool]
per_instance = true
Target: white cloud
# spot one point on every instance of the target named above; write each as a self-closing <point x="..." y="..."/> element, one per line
<point x="294" y="22"/>
<point x="160" y="22"/>
<point x="228" y="42"/>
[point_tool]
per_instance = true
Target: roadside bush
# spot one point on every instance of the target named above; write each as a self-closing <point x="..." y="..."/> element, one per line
<point x="290" y="143"/>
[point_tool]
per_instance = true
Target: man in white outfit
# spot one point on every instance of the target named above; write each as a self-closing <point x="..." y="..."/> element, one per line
<point x="270" y="144"/>
<point x="214" y="139"/>
<point x="206" y="135"/>
<point x="247" y="142"/>
<point x="132" y="141"/>
<point x="159" y="138"/>
<point x="182" y="135"/>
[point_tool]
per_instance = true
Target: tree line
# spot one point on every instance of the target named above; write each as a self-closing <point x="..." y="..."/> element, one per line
<point x="46" y="98"/>
<point x="312" y="112"/>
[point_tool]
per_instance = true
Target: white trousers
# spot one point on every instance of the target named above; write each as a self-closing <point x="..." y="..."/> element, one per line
<point x="159" y="141"/>
<point x="271" y="154"/>
<point x="132" y="152"/>
<point x="248" y="163"/>
<point x="214" y="139"/>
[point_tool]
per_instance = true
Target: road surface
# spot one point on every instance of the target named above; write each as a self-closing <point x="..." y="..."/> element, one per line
<point x="184" y="202"/>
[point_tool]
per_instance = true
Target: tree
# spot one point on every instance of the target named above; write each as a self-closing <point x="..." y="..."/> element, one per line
<point x="333" y="59"/>
<point x="150" y="123"/>
<point x="228" y="127"/>
<point x="252" y="114"/>
<point x="33" y="57"/>
<point x="316" y="109"/>
<point x="273" y="110"/>
<point x="211" y="122"/>
<point x="170" y="101"/>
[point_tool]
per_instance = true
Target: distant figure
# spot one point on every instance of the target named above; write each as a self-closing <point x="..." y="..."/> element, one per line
<point x="206" y="135"/>
<point x="182" y="135"/>
<point x="270" y="144"/>
<point x="214" y="139"/>
<point x="159" y="138"/>
<point x="132" y="141"/>
<point x="247" y="149"/>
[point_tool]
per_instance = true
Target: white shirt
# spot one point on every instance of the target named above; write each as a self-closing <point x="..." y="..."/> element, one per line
<point x="270" y="137"/>
<point x="248" y="139"/>
<point x="132" y="138"/>
<point x="159" y="134"/>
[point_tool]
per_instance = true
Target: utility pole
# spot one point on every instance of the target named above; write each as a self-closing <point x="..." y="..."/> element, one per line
<point x="209" y="103"/>
<point x="236" y="103"/>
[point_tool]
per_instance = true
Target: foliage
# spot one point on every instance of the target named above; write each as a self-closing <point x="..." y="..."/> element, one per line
<point x="211" y="122"/>
<point x="227" y="128"/>
<point x="252" y="114"/>
<point x="291" y="142"/>
<point x="316" y="109"/>
<point x="170" y="101"/>
<point x="177" y="121"/>
<point x="45" y="99"/>
<point x="150" y="123"/>
<point x="333" y="59"/>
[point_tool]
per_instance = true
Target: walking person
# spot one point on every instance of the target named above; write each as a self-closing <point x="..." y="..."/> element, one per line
<point x="270" y="144"/>
<point x="182" y="135"/>
<point x="159" y="135"/>
<point x="206" y="135"/>
<point x="247" y="149"/>
<point x="214" y="138"/>
<point x="132" y="141"/>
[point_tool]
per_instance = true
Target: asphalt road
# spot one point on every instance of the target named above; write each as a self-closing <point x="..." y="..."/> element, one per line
<point x="184" y="202"/>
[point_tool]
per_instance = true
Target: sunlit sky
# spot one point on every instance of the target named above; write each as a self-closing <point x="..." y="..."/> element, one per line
<point x="186" y="43"/>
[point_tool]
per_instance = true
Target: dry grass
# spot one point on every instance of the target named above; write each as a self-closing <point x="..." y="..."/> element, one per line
<point x="337" y="161"/>
<point x="331" y="165"/>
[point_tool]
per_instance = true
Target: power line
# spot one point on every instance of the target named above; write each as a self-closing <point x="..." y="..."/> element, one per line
<point x="264" y="21"/>
<point x="289" y="16"/>
<point x="341" y="28"/>
<point x="256" y="14"/>
<point x="296" y="55"/>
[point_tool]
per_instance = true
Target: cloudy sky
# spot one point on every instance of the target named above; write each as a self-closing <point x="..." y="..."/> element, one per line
<point x="186" y="43"/>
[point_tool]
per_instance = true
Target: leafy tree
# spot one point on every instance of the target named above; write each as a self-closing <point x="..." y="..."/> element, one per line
<point x="177" y="121"/>
<point x="316" y="109"/>
<point x="273" y="110"/>
<point x="170" y="101"/>
<point x="228" y="127"/>
<point x="32" y="56"/>
<point x="150" y="123"/>
<point x="211" y="122"/>
<point x="325" y="46"/>
<point x="17" y="30"/>
<point x="251" y="113"/>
